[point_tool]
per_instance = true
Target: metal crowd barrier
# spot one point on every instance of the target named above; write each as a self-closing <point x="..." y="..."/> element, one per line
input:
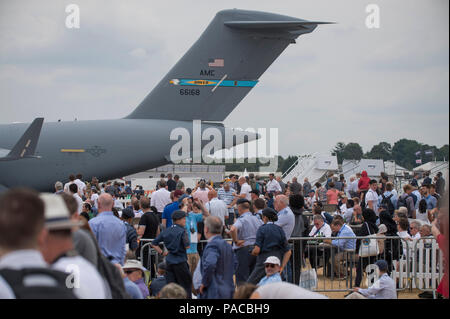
<point x="427" y="264"/>
<point x="412" y="264"/>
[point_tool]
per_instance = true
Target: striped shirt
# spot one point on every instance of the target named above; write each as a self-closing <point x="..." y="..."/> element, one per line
<point x="227" y="197"/>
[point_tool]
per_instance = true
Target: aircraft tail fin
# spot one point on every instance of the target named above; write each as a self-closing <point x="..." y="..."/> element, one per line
<point x="222" y="66"/>
<point x="26" y="145"/>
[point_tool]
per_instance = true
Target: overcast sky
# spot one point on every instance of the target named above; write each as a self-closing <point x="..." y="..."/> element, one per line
<point x="342" y="82"/>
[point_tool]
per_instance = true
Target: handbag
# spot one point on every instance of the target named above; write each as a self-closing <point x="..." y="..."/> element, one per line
<point x="369" y="245"/>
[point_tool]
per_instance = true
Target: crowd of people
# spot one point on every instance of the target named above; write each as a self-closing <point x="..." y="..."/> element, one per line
<point x="87" y="230"/>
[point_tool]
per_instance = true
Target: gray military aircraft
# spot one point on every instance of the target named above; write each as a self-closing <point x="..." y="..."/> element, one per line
<point x="206" y="84"/>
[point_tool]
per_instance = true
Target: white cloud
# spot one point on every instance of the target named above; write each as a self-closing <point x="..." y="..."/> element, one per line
<point x="138" y="53"/>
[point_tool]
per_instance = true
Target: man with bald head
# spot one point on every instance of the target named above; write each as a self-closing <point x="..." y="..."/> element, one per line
<point x="217" y="207"/>
<point x="286" y="218"/>
<point x="245" y="189"/>
<point x="109" y="230"/>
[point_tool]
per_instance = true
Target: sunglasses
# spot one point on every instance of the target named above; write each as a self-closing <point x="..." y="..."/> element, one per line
<point x="129" y="271"/>
<point x="270" y="265"/>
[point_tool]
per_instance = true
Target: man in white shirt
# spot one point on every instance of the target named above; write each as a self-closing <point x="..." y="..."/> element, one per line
<point x="81" y="185"/>
<point x="21" y="252"/>
<point x="58" y="250"/>
<point x="161" y="197"/>
<point x="117" y="203"/>
<point x="217" y="207"/>
<point x="320" y="229"/>
<point x="272" y="185"/>
<point x="245" y="189"/>
<point x="73" y="188"/>
<point x="402" y="228"/>
<point x="94" y="197"/>
<point x="372" y="196"/>
<point x="71" y="181"/>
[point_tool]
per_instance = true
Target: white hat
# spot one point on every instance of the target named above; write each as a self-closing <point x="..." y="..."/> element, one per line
<point x="133" y="264"/>
<point x="56" y="213"/>
<point x="272" y="260"/>
<point x="382" y="229"/>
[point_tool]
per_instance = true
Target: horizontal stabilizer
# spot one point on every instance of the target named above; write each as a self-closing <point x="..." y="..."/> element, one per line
<point x="274" y="25"/>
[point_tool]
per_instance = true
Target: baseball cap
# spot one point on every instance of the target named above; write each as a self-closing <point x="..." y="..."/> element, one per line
<point x="178" y="214"/>
<point x="270" y="213"/>
<point x="133" y="264"/>
<point x="56" y="213"/>
<point x="273" y="260"/>
<point x="382" y="264"/>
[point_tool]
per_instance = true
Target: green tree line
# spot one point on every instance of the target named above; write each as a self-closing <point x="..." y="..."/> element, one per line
<point x="403" y="152"/>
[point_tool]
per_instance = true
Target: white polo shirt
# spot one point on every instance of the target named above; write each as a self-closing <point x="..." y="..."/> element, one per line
<point x="273" y="186"/>
<point x="160" y="199"/>
<point x="246" y="189"/>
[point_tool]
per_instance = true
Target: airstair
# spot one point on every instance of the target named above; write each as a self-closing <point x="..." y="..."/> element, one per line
<point x="312" y="166"/>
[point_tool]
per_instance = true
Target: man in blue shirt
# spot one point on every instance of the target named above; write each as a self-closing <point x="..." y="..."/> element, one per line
<point x="426" y="194"/>
<point x="169" y="209"/>
<point x="109" y="230"/>
<point x="272" y="266"/>
<point x="340" y="246"/>
<point x="243" y="233"/>
<point x="176" y="241"/>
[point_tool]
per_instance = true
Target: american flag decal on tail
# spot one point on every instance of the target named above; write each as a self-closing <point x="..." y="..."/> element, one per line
<point x="220" y="63"/>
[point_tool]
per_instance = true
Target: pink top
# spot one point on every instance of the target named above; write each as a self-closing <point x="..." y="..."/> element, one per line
<point x="332" y="196"/>
<point x="202" y="195"/>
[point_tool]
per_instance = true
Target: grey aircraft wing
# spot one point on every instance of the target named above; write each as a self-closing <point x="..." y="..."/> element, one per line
<point x="222" y="66"/>
<point x="26" y="146"/>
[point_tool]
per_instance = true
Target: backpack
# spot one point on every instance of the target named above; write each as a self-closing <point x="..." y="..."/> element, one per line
<point x="110" y="274"/>
<point x="386" y="203"/>
<point x="402" y="201"/>
<point x="15" y="279"/>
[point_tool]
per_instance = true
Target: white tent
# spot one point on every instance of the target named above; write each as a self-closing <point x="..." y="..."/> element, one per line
<point x="245" y="174"/>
